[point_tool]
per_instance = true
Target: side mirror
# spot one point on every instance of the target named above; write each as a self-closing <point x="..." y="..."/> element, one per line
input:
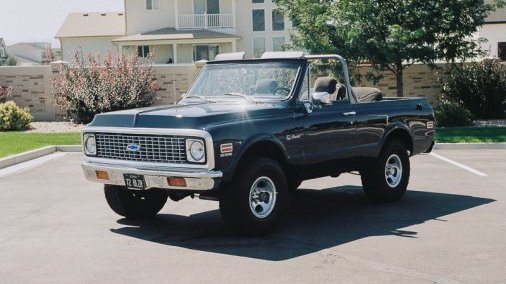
<point x="309" y="107"/>
<point x="321" y="98"/>
<point x="304" y="107"/>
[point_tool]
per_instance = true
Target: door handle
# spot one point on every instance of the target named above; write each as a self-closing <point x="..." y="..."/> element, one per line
<point x="349" y="113"/>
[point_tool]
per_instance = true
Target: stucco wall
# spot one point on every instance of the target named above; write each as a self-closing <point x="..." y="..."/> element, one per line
<point x="494" y="33"/>
<point x="138" y="19"/>
<point x="101" y="45"/>
<point x="32" y="85"/>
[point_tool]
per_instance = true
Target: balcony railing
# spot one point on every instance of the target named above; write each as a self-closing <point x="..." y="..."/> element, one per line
<point x="205" y="21"/>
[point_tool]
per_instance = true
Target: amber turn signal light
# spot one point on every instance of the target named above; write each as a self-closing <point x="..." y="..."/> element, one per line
<point x="102" y="175"/>
<point x="176" y="181"/>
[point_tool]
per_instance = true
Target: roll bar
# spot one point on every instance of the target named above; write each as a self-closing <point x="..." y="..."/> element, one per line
<point x="342" y="61"/>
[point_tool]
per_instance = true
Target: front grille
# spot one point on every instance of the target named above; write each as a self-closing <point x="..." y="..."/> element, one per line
<point x="152" y="148"/>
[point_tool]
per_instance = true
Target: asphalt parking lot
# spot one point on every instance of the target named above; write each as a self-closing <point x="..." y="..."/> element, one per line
<point x="55" y="227"/>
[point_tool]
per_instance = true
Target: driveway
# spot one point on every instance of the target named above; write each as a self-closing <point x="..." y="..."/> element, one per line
<point x="55" y="227"/>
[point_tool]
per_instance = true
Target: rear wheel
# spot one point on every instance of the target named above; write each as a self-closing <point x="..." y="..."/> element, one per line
<point x="387" y="179"/>
<point x="254" y="202"/>
<point x="135" y="204"/>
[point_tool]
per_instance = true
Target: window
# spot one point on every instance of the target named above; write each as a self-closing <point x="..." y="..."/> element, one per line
<point x="2" y="52"/>
<point x="258" y="20"/>
<point x="205" y="52"/>
<point x="143" y="51"/>
<point x="258" y="46"/>
<point x="501" y="51"/>
<point x="206" y="7"/>
<point x="152" y="5"/>
<point x="304" y="92"/>
<point x="258" y="1"/>
<point x="277" y="43"/>
<point x="278" y="21"/>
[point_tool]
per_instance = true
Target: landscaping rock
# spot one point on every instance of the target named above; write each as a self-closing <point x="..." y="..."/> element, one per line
<point x="52" y="127"/>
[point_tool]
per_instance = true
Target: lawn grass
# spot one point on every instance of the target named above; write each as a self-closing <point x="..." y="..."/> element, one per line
<point x="17" y="142"/>
<point x="470" y="134"/>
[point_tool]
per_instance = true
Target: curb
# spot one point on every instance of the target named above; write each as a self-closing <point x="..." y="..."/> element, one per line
<point x="470" y="146"/>
<point x="37" y="153"/>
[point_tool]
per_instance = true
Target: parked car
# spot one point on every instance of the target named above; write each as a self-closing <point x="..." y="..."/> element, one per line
<point x="248" y="132"/>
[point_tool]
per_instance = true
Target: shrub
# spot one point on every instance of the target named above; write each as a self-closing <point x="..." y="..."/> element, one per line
<point x="5" y="94"/>
<point x="450" y="113"/>
<point x="13" y="117"/>
<point x="87" y="88"/>
<point x="481" y="87"/>
<point x="11" y="61"/>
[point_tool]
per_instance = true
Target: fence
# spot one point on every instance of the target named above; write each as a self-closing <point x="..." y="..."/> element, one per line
<point x="32" y="85"/>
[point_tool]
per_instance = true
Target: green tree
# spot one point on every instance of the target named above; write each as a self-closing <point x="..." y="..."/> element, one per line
<point x="389" y="34"/>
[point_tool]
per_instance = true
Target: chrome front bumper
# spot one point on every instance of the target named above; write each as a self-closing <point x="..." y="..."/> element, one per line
<point x="196" y="179"/>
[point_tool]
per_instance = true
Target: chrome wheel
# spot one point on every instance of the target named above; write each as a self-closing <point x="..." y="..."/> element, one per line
<point x="262" y="197"/>
<point x="393" y="171"/>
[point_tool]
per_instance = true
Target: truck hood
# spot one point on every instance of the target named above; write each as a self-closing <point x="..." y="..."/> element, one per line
<point x="193" y="116"/>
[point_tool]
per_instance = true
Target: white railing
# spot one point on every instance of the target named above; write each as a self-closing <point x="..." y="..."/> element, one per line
<point x="205" y="21"/>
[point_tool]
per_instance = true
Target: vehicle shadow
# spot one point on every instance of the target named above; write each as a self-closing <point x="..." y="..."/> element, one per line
<point x="317" y="220"/>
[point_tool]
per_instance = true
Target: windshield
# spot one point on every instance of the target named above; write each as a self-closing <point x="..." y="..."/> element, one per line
<point x="250" y="81"/>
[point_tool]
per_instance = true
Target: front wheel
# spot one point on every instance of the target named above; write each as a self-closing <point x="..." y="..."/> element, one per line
<point x="387" y="179"/>
<point x="254" y="202"/>
<point x="135" y="204"/>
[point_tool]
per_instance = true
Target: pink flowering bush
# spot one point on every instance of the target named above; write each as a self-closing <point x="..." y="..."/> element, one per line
<point x="88" y="87"/>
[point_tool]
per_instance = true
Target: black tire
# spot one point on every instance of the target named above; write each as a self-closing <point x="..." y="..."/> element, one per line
<point x="254" y="202"/>
<point x="388" y="186"/>
<point x="135" y="204"/>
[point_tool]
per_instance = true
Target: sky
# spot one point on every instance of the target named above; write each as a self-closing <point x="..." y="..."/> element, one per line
<point x="40" y="20"/>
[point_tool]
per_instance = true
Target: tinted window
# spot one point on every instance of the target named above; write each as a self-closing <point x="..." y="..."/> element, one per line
<point x="258" y="20"/>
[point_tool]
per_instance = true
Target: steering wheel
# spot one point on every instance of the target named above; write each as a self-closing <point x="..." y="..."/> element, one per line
<point x="283" y="91"/>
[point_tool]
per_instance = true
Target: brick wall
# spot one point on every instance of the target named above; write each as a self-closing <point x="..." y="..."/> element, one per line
<point x="174" y="80"/>
<point x="419" y="81"/>
<point x="32" y="85"/>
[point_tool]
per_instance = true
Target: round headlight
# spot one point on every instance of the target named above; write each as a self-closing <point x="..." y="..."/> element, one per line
<point x="90" y="145"/>
<point x="197" y="151"/>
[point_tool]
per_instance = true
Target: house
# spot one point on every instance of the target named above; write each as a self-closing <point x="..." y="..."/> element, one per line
<point x="494" y="30"/>
<point x="178" y="31"/>
<point x="3" y="51"/>
<point x="31" y="53"/>
<point x="91" y="32"/>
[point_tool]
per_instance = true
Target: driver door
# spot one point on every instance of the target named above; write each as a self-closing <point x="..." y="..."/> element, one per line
<point x="330" y="133"/>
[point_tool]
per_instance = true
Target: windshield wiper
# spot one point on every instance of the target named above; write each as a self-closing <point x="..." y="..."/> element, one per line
<point x="200" y="97"/>
<point x="240" y="95"/>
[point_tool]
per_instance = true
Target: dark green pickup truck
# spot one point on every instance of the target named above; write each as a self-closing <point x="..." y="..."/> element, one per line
<point x="248" y="132"/>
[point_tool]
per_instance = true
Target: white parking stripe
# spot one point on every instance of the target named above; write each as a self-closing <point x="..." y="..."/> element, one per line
<point x="462" y="166"/>
<point x="30" y="164"/>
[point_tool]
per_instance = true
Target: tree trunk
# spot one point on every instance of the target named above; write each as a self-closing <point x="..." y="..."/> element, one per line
<point x="398" y="76"/>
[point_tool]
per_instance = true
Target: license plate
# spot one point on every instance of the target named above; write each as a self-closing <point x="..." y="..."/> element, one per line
<point x="134" y="181"/>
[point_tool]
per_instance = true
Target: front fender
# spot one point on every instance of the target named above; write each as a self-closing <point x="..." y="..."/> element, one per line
<point x="265" y="140"/>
